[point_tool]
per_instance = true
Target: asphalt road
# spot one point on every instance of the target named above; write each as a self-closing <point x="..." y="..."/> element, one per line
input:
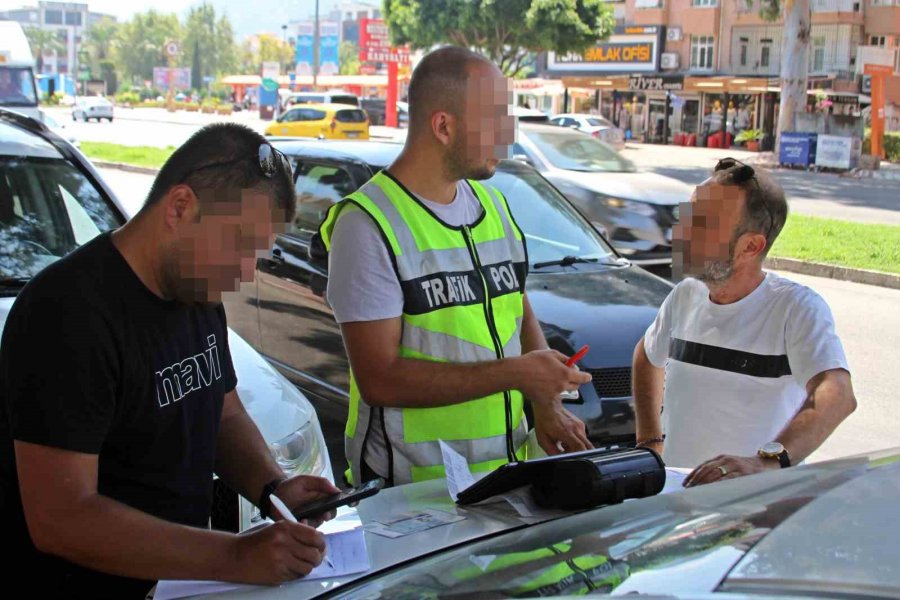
<point x="868" y="322"/>
<point x="817" y="194"/>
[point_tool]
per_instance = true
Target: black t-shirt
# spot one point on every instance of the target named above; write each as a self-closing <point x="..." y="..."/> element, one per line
<point x="92" y="361"/>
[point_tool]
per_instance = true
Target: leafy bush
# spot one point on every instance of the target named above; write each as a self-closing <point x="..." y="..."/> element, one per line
<point x="130" y="98"/>
<point x="748" y="135"/>
<point x="891" y="145"/>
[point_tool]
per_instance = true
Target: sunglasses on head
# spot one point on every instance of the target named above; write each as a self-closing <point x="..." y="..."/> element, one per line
<point x="269" y="160"/>
<point x="742" y="173"/>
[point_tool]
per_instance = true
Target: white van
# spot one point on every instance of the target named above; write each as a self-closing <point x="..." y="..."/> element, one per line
<point x="17" y="86"/>
<point x="330" y="97"/>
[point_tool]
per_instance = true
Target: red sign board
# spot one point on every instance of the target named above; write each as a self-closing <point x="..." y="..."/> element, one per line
<point x="375" y="43"/>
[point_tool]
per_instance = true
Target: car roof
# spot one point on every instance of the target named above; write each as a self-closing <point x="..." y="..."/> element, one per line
<point x="324" y="106"/>
<point x="376" y="154"/>
<point x="18" y="141"/>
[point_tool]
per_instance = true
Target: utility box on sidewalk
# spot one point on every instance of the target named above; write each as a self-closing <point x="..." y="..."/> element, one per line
<point x="838" y="152"/>
<point x="797" y="149"/>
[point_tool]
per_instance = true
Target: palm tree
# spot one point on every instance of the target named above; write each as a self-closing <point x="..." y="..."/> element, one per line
<point x="42" y="41"/>
<point x="99" y="42"/>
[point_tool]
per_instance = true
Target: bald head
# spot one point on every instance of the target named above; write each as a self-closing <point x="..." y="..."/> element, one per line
<point x="438" y="83"/>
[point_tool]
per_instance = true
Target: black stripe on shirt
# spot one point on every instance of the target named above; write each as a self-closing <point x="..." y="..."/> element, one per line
<point x="727" y="359"/>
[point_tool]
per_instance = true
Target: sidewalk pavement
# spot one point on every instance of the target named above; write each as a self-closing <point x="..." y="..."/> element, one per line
<point x="887" y="171"/>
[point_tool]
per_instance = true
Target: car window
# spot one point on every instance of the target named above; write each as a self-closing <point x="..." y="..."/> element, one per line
<point x="578" y="152"/>
<point x="552" y="228"/>
<point x="16" y="86"/>
<point x="351" y="116"/>
<point x="595" y="122"/>
<point x="47" y="209"/>
<point x="317" y="188"/>
<point x="345" y="100"/>
<point x="309" y="114"/>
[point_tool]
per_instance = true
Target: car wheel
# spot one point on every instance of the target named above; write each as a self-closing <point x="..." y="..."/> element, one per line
<point x="74" y="118"/>
<point x="110" y="119"/>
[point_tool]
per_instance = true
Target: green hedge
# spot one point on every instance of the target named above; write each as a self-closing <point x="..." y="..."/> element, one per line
<point x="891" y="145"/>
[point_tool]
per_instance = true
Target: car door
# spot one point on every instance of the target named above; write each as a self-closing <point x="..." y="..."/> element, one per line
<point x="297" y="327"/>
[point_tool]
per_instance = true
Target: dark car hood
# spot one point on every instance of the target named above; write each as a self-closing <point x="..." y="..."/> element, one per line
<point x="606" y="308"/>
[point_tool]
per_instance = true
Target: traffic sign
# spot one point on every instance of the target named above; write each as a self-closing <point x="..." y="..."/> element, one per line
<point x="84" y="75"/>
<point x="269" y="84"/>
<point x="171" y="49"/>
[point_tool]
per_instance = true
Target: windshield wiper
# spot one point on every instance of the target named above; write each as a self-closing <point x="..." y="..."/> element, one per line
<point x="14" y="281"/>
<point x="566" y="261"/>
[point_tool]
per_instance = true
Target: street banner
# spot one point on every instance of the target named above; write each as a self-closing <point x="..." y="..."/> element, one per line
<point x="329" y="41"/>
<point x="181" y="78"/>
<point x="304" y="52"/>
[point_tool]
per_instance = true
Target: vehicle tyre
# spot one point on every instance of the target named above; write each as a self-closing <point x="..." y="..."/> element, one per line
<point x="110" y="119"/>
<point x="74" y="118"/>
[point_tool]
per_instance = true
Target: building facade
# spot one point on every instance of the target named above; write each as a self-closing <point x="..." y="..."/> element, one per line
<point x="718" y="61"/>
<point x="69" y="20"/>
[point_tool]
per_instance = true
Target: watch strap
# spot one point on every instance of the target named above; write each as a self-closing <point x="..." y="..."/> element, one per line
<point x="784" y="459"/>
<point x="265" y="504"/>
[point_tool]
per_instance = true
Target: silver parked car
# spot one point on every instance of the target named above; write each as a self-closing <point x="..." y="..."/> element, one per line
<point x="823" y="530"/>
<point x="600" y="127"/>
<point x="92" y="107"/>
<point x="636" y="209"/>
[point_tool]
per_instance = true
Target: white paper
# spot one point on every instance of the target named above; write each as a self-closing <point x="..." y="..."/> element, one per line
<point x="675" y="480"/>
<point x="412" y="522"/>
<point x="345" y="554"/>
<point x="459" y="477"/>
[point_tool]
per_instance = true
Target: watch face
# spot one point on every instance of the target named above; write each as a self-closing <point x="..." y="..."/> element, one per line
<point x="773" y="448"/>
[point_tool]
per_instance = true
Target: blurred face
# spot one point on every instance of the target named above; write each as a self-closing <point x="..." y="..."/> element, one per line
<point x="486" y="129"/>
<point x="703" y="244"/>
<point x="216" y="248"/>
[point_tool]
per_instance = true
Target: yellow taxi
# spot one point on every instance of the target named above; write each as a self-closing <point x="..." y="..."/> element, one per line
<point x="329" y="121"/>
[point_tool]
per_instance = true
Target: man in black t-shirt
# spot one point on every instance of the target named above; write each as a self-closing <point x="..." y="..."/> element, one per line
<point x="117" y="392"/>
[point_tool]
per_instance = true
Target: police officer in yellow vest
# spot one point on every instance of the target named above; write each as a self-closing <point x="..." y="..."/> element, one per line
<point x="427" y="273"/>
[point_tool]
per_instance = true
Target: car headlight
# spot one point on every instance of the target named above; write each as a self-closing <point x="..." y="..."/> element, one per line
<point x="300" y="452"/>
<point x="640" y="208"/>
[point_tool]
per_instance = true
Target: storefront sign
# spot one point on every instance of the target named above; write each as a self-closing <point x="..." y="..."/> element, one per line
<point x="375" y="43"/>
<point x="643" y="83"/>
<point x="628" y="50"/>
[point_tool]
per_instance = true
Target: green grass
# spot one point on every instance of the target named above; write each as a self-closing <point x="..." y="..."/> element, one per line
<point x="842" y="243"/>
<point x="142" y="156"/>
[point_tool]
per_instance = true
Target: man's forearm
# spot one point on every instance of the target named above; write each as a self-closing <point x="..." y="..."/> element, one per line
<point x="243" y="459"/>
<point x="532" y="334"/>
<point x="829" y="402"/>
<point x="413" y="383"/>
<point x="647" y="387"/>
<point x="109" y="536"/>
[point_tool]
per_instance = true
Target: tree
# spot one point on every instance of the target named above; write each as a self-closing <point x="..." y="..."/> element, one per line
<point x="140" y="43"/>
<point x="99" y="42"/>
<point x="509" y="32"/>
<point x="208" y="43"/>
<point x="274" y="49"/>
<point x="348" y="58"/>
<point x="42" y="41"/>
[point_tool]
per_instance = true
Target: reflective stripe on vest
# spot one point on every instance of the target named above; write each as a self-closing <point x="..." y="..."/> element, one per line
<point x="463" y="302"/>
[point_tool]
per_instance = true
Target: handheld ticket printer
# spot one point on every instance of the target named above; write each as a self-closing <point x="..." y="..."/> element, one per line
<point x="577" y="481"/>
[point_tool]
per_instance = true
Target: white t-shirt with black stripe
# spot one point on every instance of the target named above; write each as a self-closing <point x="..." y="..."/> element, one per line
<point x="736" y="374"/>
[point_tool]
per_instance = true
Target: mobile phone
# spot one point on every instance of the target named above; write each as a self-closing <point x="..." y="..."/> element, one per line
<point x="317" y="507"/>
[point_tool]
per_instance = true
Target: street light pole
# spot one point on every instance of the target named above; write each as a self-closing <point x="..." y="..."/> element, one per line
<point x="316" y="50"/>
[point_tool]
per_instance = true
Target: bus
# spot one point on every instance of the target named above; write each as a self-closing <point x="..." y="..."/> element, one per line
<point x="17" y="85"/>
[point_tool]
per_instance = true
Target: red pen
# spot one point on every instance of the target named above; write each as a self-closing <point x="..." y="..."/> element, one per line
<point x="578" y="356"/>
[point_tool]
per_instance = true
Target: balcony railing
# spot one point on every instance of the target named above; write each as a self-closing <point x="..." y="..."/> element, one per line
<point x="833" y="6"/>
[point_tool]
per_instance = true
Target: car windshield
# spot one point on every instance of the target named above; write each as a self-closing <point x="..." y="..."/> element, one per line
<point x="17" y="87"/>
<point x="47" y="209"/>
<point x="573" y="151"/>
<point x="552" y="228"/>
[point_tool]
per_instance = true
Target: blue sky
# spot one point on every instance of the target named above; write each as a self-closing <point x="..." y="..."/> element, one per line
<point x="247" y="16"/>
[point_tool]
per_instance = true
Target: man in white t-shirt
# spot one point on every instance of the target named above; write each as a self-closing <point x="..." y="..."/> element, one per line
<point x="742" y="370"/>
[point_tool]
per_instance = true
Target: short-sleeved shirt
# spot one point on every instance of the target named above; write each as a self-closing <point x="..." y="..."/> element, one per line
<point x="92" y="361"/>
<point x="363" y="285"/>
<point x="736" y="374"/>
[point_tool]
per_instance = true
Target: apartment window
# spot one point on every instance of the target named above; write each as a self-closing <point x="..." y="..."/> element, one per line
<point x="817" y="57"/>
<point x="704" y="3"/>
<point x="73" y="18"/>
<point x="702" y="51"/>
<point x="878" y="40"/>
<point x="765" y="53"/>
<point x="53" y="17"/>
<point x="744" y="42"/>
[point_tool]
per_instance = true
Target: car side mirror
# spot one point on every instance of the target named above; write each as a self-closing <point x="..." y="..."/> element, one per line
<point x="523" y="158"/>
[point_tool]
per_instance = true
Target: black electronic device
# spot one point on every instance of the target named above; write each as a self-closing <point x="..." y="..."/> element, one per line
<point x="578" y="480"/>
<point x="317" y="507"/>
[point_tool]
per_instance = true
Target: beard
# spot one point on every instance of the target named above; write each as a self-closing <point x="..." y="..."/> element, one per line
<point x="459" y="167"/>
<point x="716" y="272"/>
<point x="176" y="286"/>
